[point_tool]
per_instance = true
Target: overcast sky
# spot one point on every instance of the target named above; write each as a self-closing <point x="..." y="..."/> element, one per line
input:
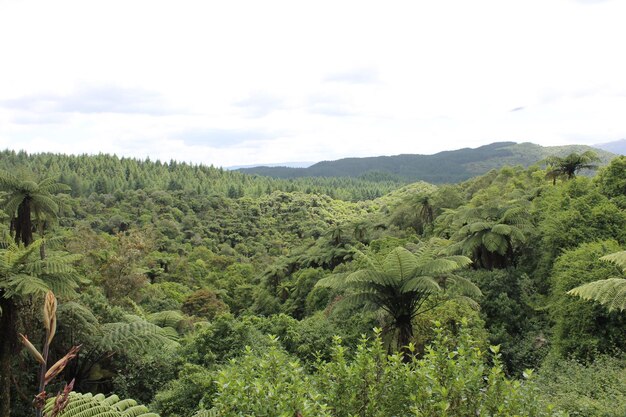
<point x="241" y="82"/>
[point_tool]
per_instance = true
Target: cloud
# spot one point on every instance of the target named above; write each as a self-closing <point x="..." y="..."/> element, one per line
<point x="93" y="100"/>
<point x="259" y="104"/>
<point x="220" y="138"/>
<point x="591" y="1"/>
<point x="517" y="109"/>
<point x="329" y="105"/>
<point x="25" y="118"/>
<point x="356" y="76"/>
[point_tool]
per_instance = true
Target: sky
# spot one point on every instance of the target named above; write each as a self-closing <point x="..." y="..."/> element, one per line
<point x="250" y="82"/>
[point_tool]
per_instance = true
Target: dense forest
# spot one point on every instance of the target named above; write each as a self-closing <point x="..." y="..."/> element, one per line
<point x="143" y="288"/>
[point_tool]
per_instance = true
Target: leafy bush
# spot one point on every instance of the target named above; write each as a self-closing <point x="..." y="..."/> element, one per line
<point x="594" y="390"/>
<point x="452" y="379"/>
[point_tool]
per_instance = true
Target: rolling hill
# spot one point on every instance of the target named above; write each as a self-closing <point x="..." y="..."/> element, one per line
<point x="442" y="167"/>
<point x="617" y="147"/>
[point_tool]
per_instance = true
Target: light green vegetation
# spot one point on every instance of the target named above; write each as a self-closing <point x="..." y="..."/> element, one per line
<point x="196" y="290"/>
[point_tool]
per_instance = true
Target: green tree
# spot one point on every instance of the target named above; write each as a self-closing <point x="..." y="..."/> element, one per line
<point x="489" y="233"/>
<point x="26" y="198"/>
<point x="610" y="292"/>
<point x="582" y="329"/>
<point x="567" y="167"/>
<point x="22" y="275"/>
<point x="401" y="283"/>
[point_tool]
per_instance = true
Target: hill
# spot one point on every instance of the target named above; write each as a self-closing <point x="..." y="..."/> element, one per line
<point x="617" y="147"/>
<point x="443" y="167"/>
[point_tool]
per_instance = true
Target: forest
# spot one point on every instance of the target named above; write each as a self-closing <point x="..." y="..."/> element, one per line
<point x="147" y="288"/>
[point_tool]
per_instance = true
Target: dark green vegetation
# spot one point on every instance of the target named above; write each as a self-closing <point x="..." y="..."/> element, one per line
<point x="195" y="290"/>
<point x="440" y="168"/>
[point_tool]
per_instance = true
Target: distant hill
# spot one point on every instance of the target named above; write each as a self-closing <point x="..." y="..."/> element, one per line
<point x="304" y="164"/>
<point x="443" y="167"/>
<point x="617" y="147"/>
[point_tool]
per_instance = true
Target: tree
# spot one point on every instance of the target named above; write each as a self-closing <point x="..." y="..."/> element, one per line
<point x="26" y="198"/>
<point x="610" y="292"/>
<point x="569" y="166"/>
<point x="488" y="233"/>
<point x="23" y="274"/>
<point x="401" y="283"/>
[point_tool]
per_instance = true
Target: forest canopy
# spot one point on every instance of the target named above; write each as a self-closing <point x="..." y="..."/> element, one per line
<point x="195" y="291"/>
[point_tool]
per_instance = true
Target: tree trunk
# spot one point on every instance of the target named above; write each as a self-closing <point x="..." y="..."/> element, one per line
<point x="23" y="223"/>
<point x="7" y="343"/>
<point x="405" y="333"/>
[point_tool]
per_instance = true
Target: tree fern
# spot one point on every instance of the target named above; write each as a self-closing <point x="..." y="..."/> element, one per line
<point x="609" y="292"/>
<point x="400" y="282"/>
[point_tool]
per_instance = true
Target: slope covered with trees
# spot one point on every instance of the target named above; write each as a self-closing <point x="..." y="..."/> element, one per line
<point x="425" y="301"/>
<point x="440" y="168"/>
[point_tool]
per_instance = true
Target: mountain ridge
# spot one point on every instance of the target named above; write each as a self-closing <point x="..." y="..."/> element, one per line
<point x="443" y="167"/>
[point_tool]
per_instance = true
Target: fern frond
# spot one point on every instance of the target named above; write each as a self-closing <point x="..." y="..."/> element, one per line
<point x="400" y="263"/>
<point x="495" y="243"/>
<point x="463" y="286"/>
<point x="608" y="292"/>
<point x="24" y="284"/>
<point x="421" y="283"/>
<point x="138" y="334"/>
<point x="618" y="258"/>
<point x="168" y="318"/>
<point x="88" y="405"/>
<point x="334" y="281"/>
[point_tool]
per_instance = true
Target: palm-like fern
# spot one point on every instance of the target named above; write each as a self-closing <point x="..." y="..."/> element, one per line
<point x="610" y="292"/>
<point x="89" y="405"/>
<point x="25" y="198"/>
<point x="401" y="282"/>
<point x="567" y="167"/>
<point x="488" y="233"/>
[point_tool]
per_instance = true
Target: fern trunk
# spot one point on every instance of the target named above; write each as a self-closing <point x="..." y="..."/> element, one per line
<point x="7" y="343"/>
<point x="405" y="334"/>
<point x="23" y="223"/>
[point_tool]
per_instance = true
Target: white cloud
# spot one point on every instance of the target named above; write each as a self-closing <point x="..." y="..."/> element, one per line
<point x="242" y="82"/>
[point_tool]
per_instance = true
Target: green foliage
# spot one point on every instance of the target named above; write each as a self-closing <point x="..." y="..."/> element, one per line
<point x="567" y="167"/>
<point x="23" y="273"/>
<point x="271" y="383"/>
<point x="401" y="282"/>
<point x="26" y="198"/>
<point x="489" y="233"/>
<point x="204" y="303"/>
<point x="610" y="292"/>
<point x="194" y="387"/>
<point x="452" y="379"/>
<point x="612" y="180"/>
<point x="581" y="328"/>
<point x="597" y="389"/>
<point x="510" y="318"/>
<point x="569" y="215"/>
<point x="88" y="405"/>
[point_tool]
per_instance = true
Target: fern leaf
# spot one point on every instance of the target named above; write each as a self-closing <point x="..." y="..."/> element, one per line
<point x="608" y="292"/>
<point x="400" y="263"/>
<point x="421" y="283"/>
<point x="618" y="258"/>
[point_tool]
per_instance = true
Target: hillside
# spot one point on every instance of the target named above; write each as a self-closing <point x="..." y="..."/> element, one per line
<point x="617" y="147"/>
<point x="443" y="167"/>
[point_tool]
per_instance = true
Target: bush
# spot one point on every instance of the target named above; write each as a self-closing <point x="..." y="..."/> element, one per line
<point x="594" y="390"/>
